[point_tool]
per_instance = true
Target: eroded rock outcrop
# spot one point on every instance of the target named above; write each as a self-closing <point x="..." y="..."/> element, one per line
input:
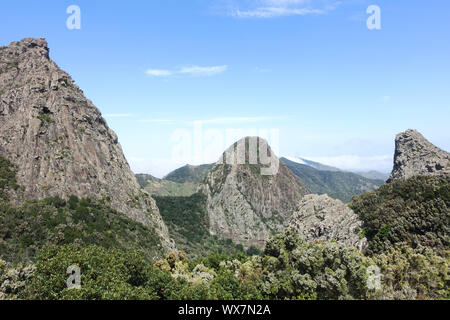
<point x="245" y="202"/>
<point x="59" y="141"/>
<point x="415" y="155"/>
<point x="320" y="217"/>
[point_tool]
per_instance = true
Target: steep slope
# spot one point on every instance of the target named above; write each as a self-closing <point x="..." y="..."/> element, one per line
<point x="320" y="217"/>
<point x="58" y="140"/>
<point x="244" y="203"/>
<point x="337" y="184"/>
<point x="415" y="155"/>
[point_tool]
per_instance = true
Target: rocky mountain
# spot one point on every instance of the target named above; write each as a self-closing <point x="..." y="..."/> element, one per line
<point x="415" y="155"/>
<point x="246" y="201"/>
<point x="337" y="184"/>
<point x="320" y="217"/>
<point x="58" y="140"/>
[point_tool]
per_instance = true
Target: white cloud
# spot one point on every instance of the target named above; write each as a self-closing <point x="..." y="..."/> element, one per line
<point x="386" y="98"/>
<point x="262" y="70"/>
<point x="218" y="121"/>
<point x="118" y="115"/>
<point x="233" y="120"/>
<point x="157" y="120"/>
<point x="188" y="70"/>
<point x="381" y="163"/>
<point x="272" y="12"/>
<point x="158" y="72"/>
<point x="203" y="71"/>
<point x="279" y="8"/>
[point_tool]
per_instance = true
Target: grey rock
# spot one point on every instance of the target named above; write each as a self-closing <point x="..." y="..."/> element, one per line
<point x="320" y="217"/>
<point x="415" y="155"/>
<point x="246" y="206"/>
<point x="59" y="141"/>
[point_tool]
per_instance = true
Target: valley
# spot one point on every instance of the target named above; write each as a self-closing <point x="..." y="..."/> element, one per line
<point x="221" y="231"/>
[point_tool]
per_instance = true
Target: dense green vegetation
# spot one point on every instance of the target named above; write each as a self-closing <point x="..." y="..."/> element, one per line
<point x="289" y="269"/>
<point x="337" y="184"/>
<point x="409" y="273"/>
<point x="406" y="223"/>
<point x="415" y="211"/>
<point x="25" y="229"/>
<point x="187" y="221"/>
<point x="7" y="178"/>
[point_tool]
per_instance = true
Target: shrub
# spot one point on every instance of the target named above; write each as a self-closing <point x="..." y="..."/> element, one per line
<point x="415" y="211"/>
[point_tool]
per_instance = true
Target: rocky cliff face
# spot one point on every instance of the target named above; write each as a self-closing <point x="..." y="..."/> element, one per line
<point x="245" y="202"/>
<point x="415" y="155"/>
<point x="58" y="140"/>
<point x="320" y="217"/>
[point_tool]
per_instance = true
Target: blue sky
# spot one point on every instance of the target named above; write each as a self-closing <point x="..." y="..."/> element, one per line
<point x="335" y="91"/>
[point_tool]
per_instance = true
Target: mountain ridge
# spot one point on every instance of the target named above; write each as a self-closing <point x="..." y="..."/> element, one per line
<point x="59" y="141"/>
<point x="337" y="184"/>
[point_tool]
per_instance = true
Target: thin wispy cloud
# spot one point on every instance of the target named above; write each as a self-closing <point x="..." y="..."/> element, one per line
<point x="158" y="72"/>
<point x="271" y="12"/>
<point x="203" y="71"/>
<point x="386" y="98"/>
<point x="157" y="120"/>
<point x="262" y="70"/>
<point x="118" y="115"/>
<point x="216" y="121"/>
<point x="279" y="8"/>
<point x="193" y="70"/>
<point x="234" y="120"/>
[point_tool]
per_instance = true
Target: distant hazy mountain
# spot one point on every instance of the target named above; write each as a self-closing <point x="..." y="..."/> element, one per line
<point x="337" y="184"/>
<point x="315" y="165"/>
<point x="189" y="173"/>
<point x="375" y="175"/>
<point x="182" y="182"/>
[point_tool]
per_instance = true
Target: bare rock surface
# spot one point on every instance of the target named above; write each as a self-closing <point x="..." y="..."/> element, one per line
<point x="245" y="205"/>
<point x="415" y="155"/>
<point x="320" y="217"/>
<point x="59" y="141"/>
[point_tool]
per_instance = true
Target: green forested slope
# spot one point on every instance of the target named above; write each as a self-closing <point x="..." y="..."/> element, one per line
<point x="337" y="184"/>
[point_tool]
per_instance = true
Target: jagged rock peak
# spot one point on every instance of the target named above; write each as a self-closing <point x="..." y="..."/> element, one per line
<point x="31" y="45"/>
<point x="320" y="217"/>
<point x="415" y="155"/>
<point x="59" y="141"/>
<point x="245" y="202"/>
